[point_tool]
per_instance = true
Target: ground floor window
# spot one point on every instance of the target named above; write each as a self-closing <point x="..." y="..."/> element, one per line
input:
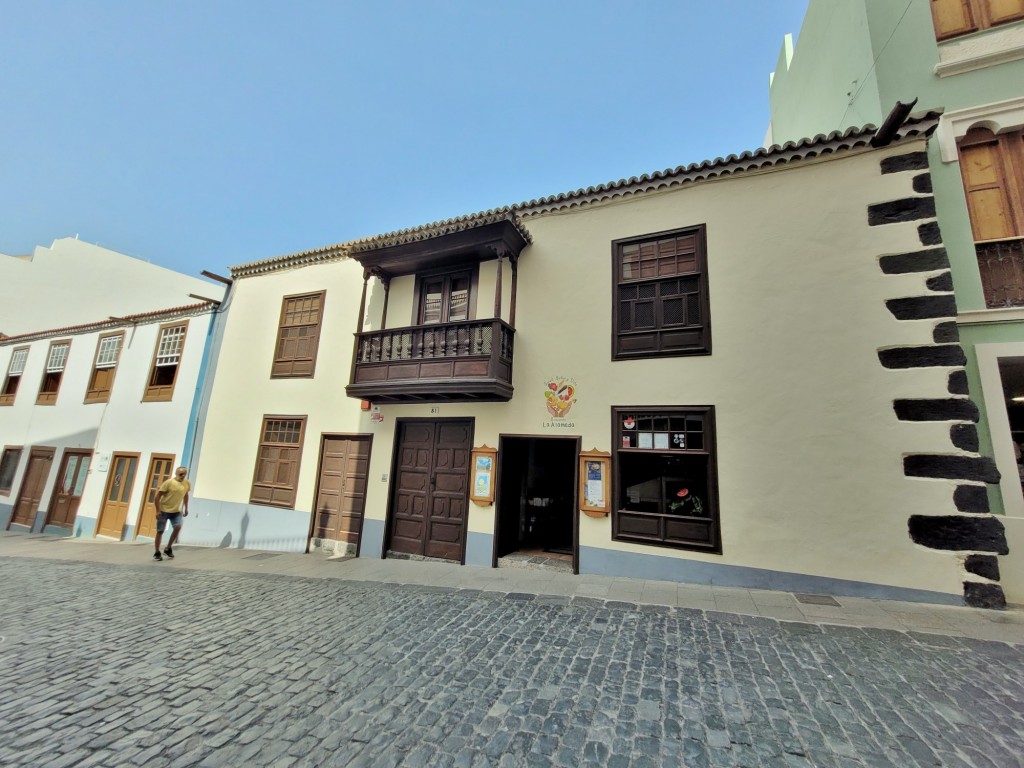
<point x="276" y="478"/>
<point x="665" y="477"/>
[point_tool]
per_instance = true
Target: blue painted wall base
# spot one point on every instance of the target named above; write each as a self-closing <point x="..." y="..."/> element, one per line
<point x="606" y="562"/>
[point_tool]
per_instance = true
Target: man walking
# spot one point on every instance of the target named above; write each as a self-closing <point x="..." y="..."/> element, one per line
<point x="169" y="497"/>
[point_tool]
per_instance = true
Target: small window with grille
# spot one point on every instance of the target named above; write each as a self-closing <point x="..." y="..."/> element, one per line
<point x="166" y="362"/>
<point x="108" y="351"/>
<point x="660" y="306"/>
<point x="15" y="369"/>
<point x="54" y="373"/>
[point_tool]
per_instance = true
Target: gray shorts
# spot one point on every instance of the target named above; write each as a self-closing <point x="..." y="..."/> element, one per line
<point x="163" y="517"/>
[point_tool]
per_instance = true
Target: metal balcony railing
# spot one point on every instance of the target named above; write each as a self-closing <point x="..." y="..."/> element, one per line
<point x="1001" y="264"/>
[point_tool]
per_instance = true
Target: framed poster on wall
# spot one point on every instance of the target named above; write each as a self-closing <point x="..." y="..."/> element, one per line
<point x="483" y="461"/>
<point x="595" y="482"/>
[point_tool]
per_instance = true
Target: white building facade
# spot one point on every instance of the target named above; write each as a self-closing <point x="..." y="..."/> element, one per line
<point x="95" y="414"/>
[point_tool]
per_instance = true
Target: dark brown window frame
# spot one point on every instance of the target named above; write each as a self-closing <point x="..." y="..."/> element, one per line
<point x="7" y="398"/>
<point x="700" y="273"/>
<point x="979" y="15"/>
<point x="284" y="367"/>
<point x="94" y="394"/>
<point x="161" y="393"/>
<point x="54" y="379"/>
<point x="8" y="451"/>
<point x="471" y="270"/>
<point x="293" y="488"/>
<point x="711" y="521"/>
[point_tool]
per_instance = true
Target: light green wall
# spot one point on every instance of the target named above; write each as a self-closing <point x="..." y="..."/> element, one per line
<point x="832" y="55"/>
<point x="873" y="53"/>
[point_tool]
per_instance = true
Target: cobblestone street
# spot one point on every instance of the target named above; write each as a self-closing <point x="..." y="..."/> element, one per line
<point x="148" y="665"/>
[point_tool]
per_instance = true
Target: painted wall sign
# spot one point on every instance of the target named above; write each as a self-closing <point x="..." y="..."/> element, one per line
<point x="559" y="398"/>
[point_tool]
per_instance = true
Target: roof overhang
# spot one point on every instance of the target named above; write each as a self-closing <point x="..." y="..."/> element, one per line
<point x="449" y="246"/>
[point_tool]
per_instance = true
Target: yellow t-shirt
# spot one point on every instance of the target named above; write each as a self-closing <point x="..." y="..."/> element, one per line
<point x="173" y="494"/>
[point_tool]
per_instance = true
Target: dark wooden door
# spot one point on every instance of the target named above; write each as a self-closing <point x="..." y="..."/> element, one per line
<point x="431" y="488"/>
<point x="67" y="494"/>
<point x="119" y="493"/>
<point x="160" y="467"/>
<point x="341" y="489"/>
<point x="31" y="494"/>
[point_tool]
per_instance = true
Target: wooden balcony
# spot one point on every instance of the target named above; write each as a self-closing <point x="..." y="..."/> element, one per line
<point x="462" y="361"/>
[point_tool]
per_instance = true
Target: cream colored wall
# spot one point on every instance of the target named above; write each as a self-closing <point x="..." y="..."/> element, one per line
<point x="243" y="391"/>
<point x="809" y="449"/>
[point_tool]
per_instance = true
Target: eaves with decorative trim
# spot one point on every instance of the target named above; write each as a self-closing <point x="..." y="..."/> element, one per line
<point x="762" y="159"/>
<point x="156" y="316"/>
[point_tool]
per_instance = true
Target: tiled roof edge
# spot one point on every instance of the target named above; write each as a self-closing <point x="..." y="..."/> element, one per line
<point x="763" y="158"/>
<point x="766" y="157"/>
<point x="112" y="322"/>
<point x="314" y="256"/>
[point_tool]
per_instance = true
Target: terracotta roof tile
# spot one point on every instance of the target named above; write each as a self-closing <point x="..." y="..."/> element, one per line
<point x="111" y="322"/>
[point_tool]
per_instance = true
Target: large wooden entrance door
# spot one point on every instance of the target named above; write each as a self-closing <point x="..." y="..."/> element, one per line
<point x="119" y="492"/>
<point x="160" y="467"/>
<point x="431" y="495"/>
<point x="341" y="488"/>
<point x="31" y="493"/>
<point x="67" y="494"/>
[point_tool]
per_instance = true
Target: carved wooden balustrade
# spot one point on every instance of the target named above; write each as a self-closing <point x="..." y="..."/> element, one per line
<point x="469" y="360"/>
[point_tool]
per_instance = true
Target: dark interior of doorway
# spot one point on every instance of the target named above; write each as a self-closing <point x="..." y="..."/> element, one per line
<point x="537" y="495"/>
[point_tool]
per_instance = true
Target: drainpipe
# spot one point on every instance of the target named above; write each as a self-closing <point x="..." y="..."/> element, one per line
<point x="892" y="124"/>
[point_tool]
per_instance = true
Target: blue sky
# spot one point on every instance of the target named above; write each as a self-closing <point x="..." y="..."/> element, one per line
<point x="204" y="134"/>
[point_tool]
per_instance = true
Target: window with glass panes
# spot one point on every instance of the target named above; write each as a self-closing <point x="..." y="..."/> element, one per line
<point x="166" y="361"/>
<point x="108" y="350"/>
<point x="660" y="302"/>
<point x="8" y="468"/>
<point x="276" y="476"/>
<point x="54" y="373"/>
<point x="15" y="369"/>
<point x="298" y="335"/>
<point x="665" y="477"/>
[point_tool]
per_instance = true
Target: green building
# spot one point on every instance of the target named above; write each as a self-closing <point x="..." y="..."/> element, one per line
<point x="853" y="61"/>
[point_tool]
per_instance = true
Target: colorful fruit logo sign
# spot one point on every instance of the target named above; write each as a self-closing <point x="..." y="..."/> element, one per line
<point x="559" y="396"/>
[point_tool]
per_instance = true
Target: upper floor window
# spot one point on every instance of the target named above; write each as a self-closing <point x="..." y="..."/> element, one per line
<point x="660" y="296"/>
<point x="108" y="350"/>
<point x="8" y="467"/>
<point x="992" y="167"/>
<point x="444" y="298"/>
<point x="54" y="373"/>
<point x="166" y="362"/>
<point x="276" y="478"/>
<point x="953" y="18"/>
<point x="298" y="335"/>
<point x="15" y="369"/>
<point x="665" y="477"/>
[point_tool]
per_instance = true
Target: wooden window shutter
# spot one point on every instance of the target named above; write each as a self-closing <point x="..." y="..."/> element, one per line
<point x="1003" y="11"/>
<point x="952" y="18"/>
<point x="987" y="170"/>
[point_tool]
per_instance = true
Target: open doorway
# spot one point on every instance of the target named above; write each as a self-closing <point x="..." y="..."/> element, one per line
<point x="537" y="508"/>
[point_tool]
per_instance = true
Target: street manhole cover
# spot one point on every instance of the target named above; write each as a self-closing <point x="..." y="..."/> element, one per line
<point x="816" y="599"/>
<point x="262" y="556"/>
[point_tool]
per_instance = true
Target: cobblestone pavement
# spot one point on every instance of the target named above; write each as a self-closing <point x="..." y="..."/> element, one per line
<point x="107" y="665"/>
